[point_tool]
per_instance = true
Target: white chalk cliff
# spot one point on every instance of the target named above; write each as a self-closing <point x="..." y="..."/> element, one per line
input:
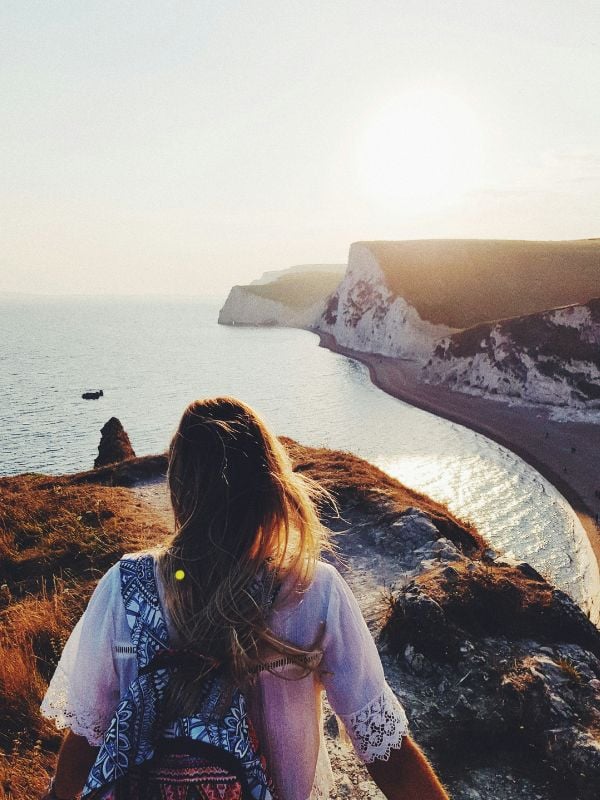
<point x="550" y="357"/>
<point x="364" y="315"/>
<point x="361" y="314"/>
<point x="244" y="307"/>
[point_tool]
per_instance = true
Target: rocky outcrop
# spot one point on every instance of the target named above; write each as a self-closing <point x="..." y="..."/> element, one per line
<point x="499" y="671"/>
<point x="510" y="659"/>
<point x="114" y="444"/>
<point x="553" y="357"/>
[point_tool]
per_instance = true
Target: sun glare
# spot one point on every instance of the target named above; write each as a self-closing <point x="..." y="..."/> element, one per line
<point x="425" y="149"/>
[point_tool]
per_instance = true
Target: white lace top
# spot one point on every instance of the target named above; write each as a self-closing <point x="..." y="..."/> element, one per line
<point x="98" y="663"/>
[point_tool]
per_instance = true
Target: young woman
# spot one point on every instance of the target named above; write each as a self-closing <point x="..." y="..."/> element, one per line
<point x="242" y="590"/>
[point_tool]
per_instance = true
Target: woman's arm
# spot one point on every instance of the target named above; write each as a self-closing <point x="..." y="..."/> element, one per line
<point x="85" y="688"/>
<point x="75" y="760"/>
<point x="407" y="775"/>
<point x="353" y="677"/>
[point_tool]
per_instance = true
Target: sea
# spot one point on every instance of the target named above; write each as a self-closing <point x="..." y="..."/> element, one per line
<point x="151" y="356"/>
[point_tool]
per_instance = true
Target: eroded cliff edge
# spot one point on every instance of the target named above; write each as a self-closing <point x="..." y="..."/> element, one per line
<point x="510" y="319"/>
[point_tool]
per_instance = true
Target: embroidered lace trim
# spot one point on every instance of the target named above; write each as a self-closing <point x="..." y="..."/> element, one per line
<point x="378" y="728"/>
<point x="82" y="722"/>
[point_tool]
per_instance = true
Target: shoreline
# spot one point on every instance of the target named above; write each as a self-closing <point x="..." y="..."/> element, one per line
<point x="542" y="443"/>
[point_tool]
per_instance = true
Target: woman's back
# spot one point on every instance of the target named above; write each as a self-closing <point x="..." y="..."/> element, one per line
<point x="99" y="664"/>
<point x="240" y="593"/>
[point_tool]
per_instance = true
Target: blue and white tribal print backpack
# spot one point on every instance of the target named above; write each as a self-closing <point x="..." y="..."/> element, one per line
<point x="212" y="755"/>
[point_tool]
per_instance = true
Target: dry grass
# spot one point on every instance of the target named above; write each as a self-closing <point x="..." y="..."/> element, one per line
<point x="33" y="634"/>
<point x="24" y="772"/>
<point x="57" y="536"/>
<point x="570" y="670"/>
<point x="356" y="483"/>
<point x="300" y="290"/>
<point x="463" y="282"/>
<point x="520" y="680"/>
<point x="50" y="528"/>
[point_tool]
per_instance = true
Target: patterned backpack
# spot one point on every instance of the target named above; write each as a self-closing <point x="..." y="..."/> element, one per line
<point x="212" y="755"/>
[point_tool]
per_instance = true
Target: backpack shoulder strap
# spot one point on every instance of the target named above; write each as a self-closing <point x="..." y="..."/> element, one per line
<point x="145" y="616"/>
<point x="132" y="734"/>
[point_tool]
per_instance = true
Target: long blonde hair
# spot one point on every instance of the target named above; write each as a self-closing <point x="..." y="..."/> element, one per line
<point x="243" y="519"/>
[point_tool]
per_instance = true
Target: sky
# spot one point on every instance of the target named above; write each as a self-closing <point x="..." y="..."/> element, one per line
<point x="184" y="146"/>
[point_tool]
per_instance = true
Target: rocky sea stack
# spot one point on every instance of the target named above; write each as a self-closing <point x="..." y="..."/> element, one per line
<point x="114" y="445"/>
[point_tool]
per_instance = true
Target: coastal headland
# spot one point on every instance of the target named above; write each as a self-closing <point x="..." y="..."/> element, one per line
<point x="498" y="670"/>
<point x="500" y="336"/>
<point x="564" y="452"/>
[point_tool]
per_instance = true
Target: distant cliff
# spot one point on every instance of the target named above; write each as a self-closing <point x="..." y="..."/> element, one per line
<point x="295" y="298"/>
<point x="552" y="357"/>
<point x="365" y="314"/>
<point x="300" y="269"/>
<point x="463" y="282"/>
<point x="507" y="318"/>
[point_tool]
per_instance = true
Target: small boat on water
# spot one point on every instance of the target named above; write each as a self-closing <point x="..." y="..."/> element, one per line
<point x="92" y="395"/>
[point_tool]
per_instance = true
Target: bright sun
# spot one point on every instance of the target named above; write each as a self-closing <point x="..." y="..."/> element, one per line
<point x="424" y="149"/>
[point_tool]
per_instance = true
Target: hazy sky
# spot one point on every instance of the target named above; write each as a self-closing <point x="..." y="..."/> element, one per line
<point x="187" y="146"/>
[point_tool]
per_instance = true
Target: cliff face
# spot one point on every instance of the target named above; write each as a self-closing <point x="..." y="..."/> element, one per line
<point x="363" y="314"/>
<point x="294" y="298"/>
<point x="479" y="316"/>
<point x="401" y="299"/>
<point x="465" y="282"/>
<point x="244" y="307"/>
<point x="553" y="357"/>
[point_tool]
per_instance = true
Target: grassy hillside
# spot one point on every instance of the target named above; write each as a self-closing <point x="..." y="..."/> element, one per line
<point x="300" y="290"/>
<point x="58" y="535"/>
<point x="463" y="282"/>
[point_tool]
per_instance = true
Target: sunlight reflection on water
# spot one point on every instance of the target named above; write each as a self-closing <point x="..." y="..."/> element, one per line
<point x="152" y="357"/>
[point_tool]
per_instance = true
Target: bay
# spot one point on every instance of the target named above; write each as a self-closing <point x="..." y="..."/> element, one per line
<point x="152" y="356"/>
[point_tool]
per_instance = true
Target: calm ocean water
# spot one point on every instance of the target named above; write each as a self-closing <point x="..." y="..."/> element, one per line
<point x="152" y="356"/>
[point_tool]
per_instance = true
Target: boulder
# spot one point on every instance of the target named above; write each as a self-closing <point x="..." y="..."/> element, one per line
<point x="114" y="444"/>
<point x="519" y="668"/>
<point x="410" y="530"/>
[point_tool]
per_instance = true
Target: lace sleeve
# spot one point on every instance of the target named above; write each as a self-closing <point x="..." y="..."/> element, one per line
<point x="353" y="677"/>
<point x="55" y="706"/>
<point x="379" y="727"/>
<point x="84" y="690"/>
